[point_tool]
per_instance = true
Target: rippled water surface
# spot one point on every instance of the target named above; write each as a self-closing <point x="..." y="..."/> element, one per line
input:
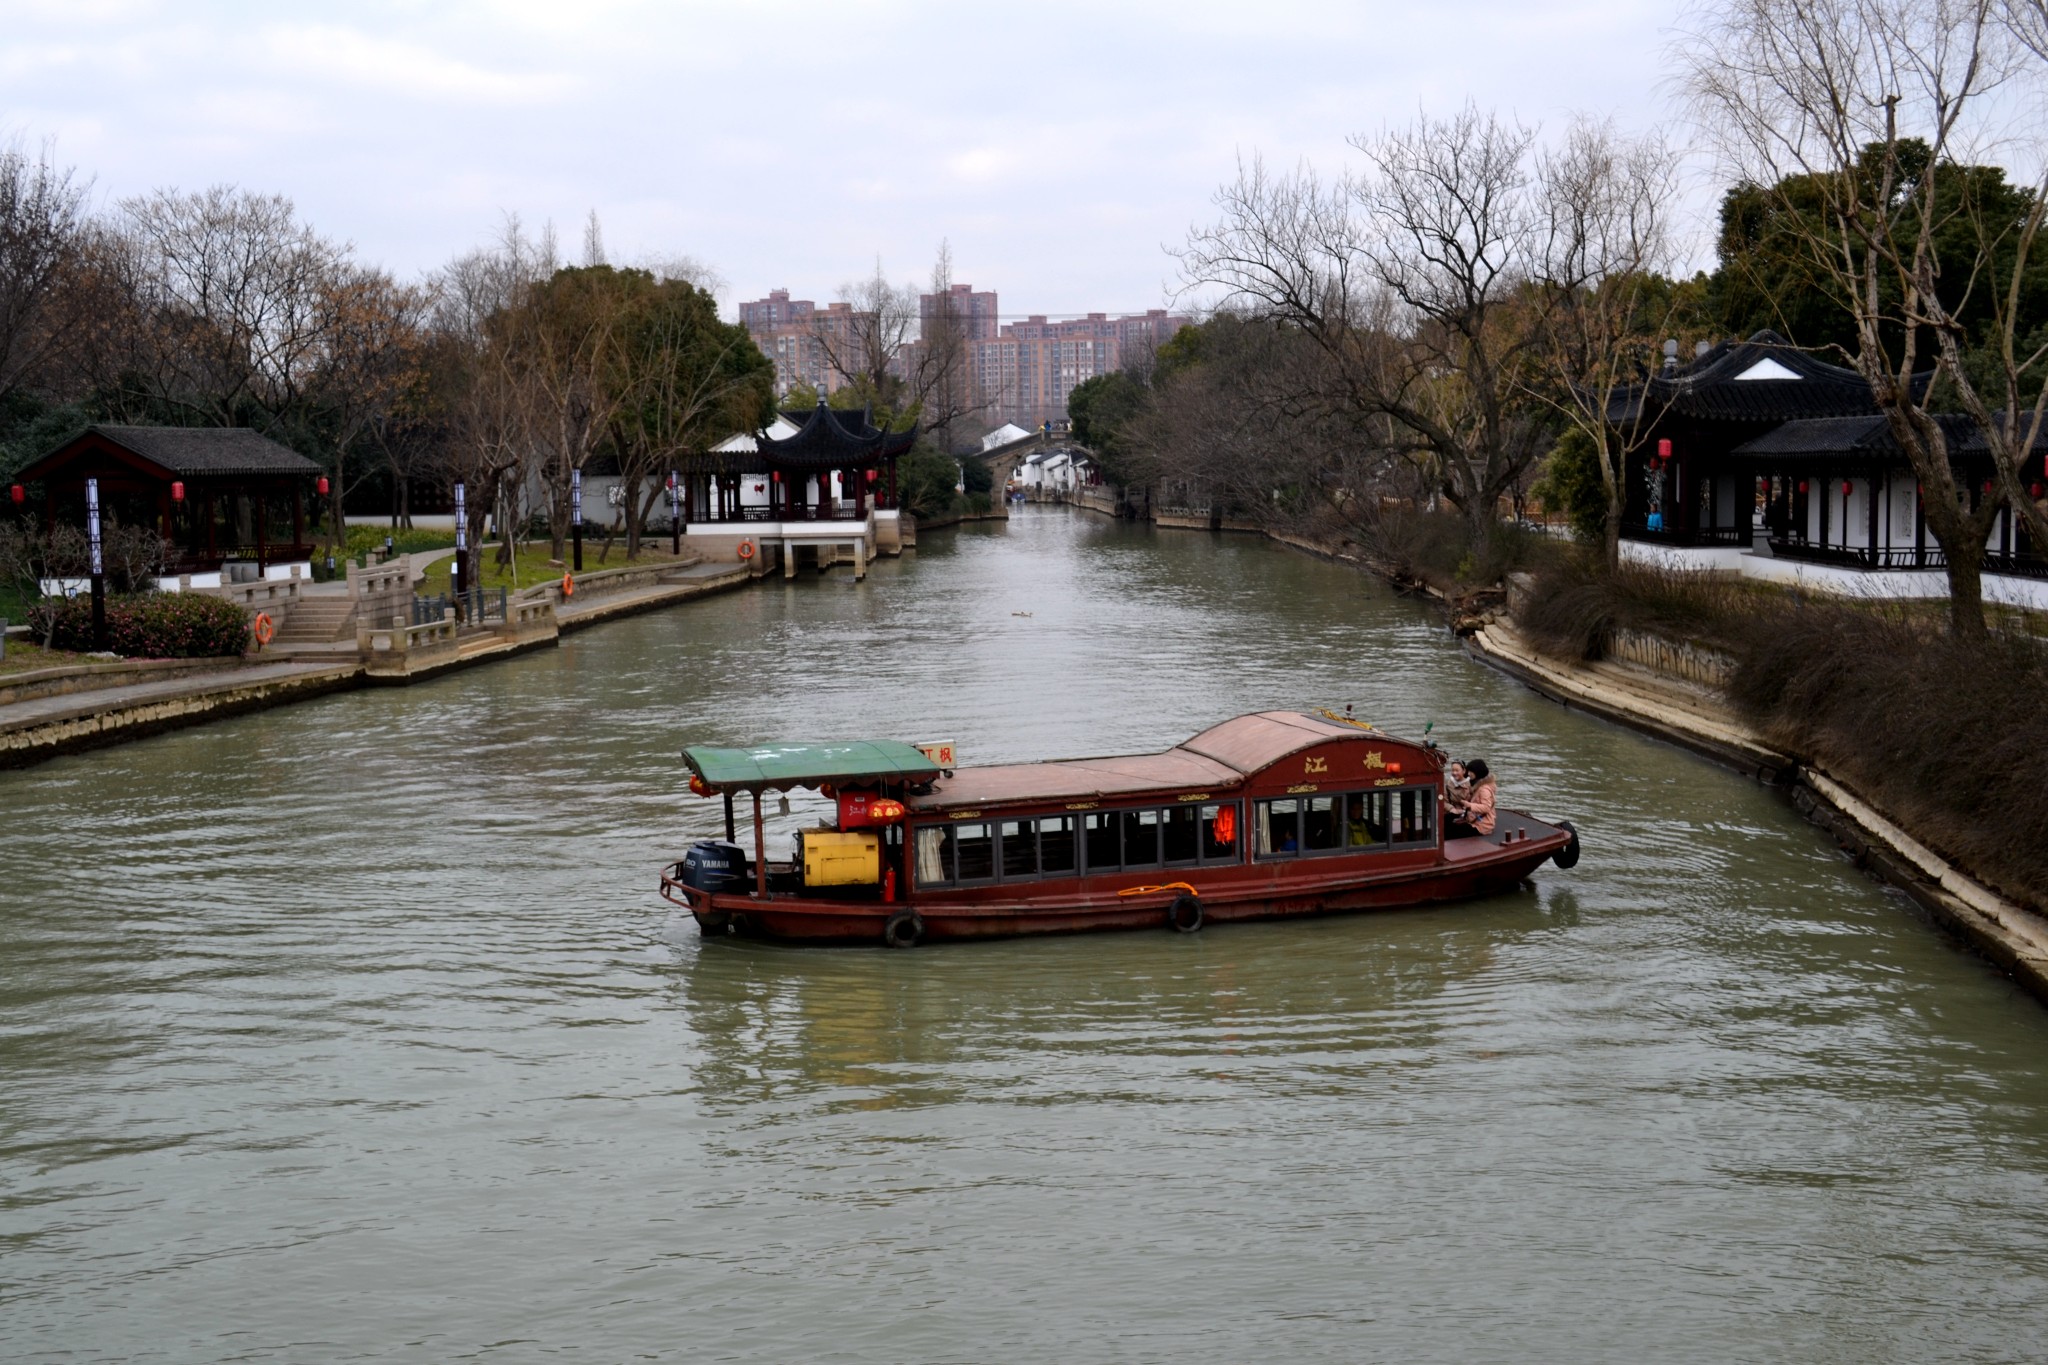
<point x="356" y="1031"/>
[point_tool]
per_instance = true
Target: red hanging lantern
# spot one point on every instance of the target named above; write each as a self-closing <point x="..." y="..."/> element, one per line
<point x="2034" y="491"/>
<point x="18" y="495"/>
<point x="320" y="485"/>
<point x="1987" y="485"/>
<point x="1845" y="488"/>
<point x="871" y="476"/>
<point x="1664" y="448"/>
<point x="776" y="475"/>
<point x="1802" y="485"/>
<point x="177" y="490"/>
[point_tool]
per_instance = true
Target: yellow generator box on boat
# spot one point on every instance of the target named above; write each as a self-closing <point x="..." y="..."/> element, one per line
<point x="833" y="859"/>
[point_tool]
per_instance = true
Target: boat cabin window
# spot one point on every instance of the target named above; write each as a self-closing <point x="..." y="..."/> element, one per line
<point x="1056" y="845"/>
<point x="1141" y="838"/>
<point x="1059" y="845"/>
<point x="1219" y="834"/>
<point x="1346" y="822"/>
<point x="1414" y="816"/>
<point x="1179" y="840"/>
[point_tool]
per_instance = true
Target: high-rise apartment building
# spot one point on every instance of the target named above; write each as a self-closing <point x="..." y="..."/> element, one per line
<point x="1018" y="372"/>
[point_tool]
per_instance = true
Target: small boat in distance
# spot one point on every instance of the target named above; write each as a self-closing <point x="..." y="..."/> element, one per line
<point x="1269" y="815"/>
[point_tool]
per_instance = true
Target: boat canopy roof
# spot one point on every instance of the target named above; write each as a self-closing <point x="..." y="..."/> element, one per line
<point x="1220" y="757"/>
<point x="782" y="766"/>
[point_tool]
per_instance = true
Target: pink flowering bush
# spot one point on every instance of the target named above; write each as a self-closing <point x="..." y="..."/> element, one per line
<point x="161" y="625"/>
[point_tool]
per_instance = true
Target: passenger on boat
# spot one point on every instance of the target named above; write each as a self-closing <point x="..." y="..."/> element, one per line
<point x="1457" y="784"/>
<point x="1473" y="817"/>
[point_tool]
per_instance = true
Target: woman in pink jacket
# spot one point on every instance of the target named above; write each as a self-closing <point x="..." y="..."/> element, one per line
<point x="1473" y="816"/>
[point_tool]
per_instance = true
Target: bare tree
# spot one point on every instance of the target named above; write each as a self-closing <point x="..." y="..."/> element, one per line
<point x="237" y="291"/>
<point x="42" y="219"/>
<point x="1413" y="279"/>
<point x="1606" y="246"/>
<point x="489" y="402"/>
<point x="861" y="341"/>
<point x="1876" y="108"/>
<point x="372" y="340"/>
<point x="936" y="369"/>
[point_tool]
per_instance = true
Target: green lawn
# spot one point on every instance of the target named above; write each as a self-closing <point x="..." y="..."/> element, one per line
<point x="536" y="564"/>
<point x="23" y="657"/>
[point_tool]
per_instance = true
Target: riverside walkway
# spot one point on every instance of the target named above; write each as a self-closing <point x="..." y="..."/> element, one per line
<point x="61" y="710"/>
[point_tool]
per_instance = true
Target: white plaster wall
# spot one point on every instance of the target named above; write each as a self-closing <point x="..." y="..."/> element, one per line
<point x="1721" y="558"/>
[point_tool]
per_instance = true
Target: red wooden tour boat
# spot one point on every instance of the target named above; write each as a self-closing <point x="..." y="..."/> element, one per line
<point x="1274" y="814"/>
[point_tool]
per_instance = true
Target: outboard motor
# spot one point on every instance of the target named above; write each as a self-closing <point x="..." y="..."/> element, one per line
<point x="715" y="865"/>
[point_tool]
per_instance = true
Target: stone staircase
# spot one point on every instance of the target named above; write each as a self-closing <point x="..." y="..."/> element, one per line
<point x="321" y="620"/>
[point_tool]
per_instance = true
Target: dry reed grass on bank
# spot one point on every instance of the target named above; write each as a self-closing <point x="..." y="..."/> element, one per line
<point x="1941" y="733"/>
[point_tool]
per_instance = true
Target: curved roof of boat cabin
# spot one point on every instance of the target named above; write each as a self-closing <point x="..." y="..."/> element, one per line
<point x="1763" y="379"/>
<point x="1221" y="757"/>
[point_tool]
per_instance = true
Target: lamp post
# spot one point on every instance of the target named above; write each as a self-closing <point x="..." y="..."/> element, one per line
<point x="576" y="515"/>
<point x="99" y="569"/>
<point x="675" y="515"/>
<point x="461" y="544"/>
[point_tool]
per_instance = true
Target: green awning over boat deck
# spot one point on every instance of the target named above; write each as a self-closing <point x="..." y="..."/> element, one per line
<point x="783" y="766"/>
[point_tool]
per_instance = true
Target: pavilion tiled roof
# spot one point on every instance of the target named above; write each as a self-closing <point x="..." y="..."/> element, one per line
<point x="1857" y="438"/>
<point x="828" y="438"/>
<point x="208" y="451"/>
<point x="1763" y="379"/>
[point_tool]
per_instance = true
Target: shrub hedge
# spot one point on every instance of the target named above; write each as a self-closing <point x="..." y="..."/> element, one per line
<point x="167" y="625"/>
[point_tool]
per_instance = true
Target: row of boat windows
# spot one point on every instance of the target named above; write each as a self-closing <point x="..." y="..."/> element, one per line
<point x="972" y="851"/>
<point x="1344" y="822"/>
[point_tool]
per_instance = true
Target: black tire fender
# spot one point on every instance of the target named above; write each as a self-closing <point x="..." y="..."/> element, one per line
<point x="1568" y="856"/>
<point x="904" y="929"/>
<point x="1185" y="914"/>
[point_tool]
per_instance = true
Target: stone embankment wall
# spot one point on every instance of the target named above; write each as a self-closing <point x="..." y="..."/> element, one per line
<point x="1673" y="690"/>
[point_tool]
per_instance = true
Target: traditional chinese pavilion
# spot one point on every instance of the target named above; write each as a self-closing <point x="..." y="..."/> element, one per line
<point x="1758" y="458"/>
<point x="818" y="480"/>
<point x="230" y="502"/>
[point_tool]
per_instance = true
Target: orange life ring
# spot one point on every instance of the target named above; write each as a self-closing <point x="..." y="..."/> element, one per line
<point x="265" y="628"/>
<point x="568" y="585"/>
<point x="746" y="550"/>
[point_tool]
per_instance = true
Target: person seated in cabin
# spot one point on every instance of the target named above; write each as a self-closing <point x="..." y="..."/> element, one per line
<point x="1287" y="840"/>
<point x="1356" y="821"/>
<point x="1473" y="817"/>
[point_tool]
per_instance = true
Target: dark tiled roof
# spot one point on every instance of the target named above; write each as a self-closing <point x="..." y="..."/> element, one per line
<point x="1835" y="437"/>
<point x="1712" y="388"/>
<point x="827" y="438"/>
<point x="207" y="451"/>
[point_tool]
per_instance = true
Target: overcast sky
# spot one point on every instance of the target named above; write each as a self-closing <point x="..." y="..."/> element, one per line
<point x="1058" y="147"/>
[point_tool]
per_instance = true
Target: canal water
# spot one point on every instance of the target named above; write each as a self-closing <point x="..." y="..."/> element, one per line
<point x="356" y="1031"/>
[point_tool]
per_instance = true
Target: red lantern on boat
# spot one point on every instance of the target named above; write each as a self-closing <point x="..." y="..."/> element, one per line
<point x="320" y="485"/>
<point x="885" y="810"/>
<point x="17" y="495"/>
<point x="697" y="786"/>
<point x="177" y="490"/>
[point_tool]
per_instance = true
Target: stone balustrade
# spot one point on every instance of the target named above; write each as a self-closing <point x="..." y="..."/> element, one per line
<point x="402" y="650"/>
